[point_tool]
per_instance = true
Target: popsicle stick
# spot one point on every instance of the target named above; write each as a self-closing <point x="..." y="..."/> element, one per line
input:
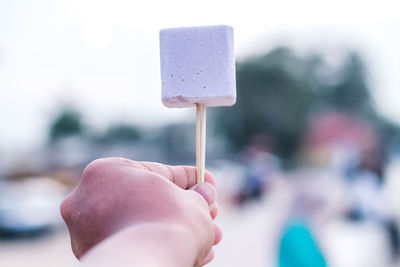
<point x="200" y="141"/>
<point x="203" y="142"/>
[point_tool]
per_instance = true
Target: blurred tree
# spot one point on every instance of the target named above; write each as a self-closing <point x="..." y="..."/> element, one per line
<point x="277" y="93"/>
<point x="349" y="91"/>
<point x="273" y="99"/>
<point x="67" y="123"/>
<point x="122" y="132"/>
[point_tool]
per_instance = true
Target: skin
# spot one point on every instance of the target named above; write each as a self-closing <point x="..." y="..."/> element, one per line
<point x="129" y="213"/>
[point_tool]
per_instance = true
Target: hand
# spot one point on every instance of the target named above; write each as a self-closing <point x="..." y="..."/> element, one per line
<point x="117" y="195"/>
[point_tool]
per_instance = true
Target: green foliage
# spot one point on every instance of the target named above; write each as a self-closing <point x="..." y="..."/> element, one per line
<point x="273" y="99"/>
<point x="350" y="91"/>
<point x="277" y="93"/>
<point x="122" y="132"/>
<point x="67" y="123"/>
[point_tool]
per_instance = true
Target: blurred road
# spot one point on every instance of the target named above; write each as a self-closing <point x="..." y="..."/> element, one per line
<point x="251" y="235"/>
<point x="247" y="242"/>
<point x="45" y="251"/>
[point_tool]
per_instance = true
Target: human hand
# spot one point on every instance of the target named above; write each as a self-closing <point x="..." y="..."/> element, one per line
<point x="117" y="194"/>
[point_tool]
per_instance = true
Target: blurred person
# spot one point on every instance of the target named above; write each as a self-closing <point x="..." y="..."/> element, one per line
<point x="260" y="171"/>
<point x="129" y="213"/>
<point x="299" y="242"/>
<point x="352" y="148"/>
<point x="392" y="201"/>
<point x="298" y="246"/>
<point x="369" y="203"/>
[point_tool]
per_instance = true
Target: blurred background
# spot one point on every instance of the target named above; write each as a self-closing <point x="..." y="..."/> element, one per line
<point x="307" y="161"/>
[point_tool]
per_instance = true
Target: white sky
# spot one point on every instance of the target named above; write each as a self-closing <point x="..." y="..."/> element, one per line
<point x="103" y="56"/>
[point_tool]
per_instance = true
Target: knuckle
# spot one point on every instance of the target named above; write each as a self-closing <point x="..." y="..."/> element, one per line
<point x="99" y="166"/>
<point x="93" y="167"/>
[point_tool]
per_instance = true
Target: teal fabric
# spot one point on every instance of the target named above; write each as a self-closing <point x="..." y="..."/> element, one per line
<point x="298" y="247"/>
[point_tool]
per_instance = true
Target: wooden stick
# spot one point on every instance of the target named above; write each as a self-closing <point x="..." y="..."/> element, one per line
<point x="200" y="141"/>
<point x="203" y="143"/>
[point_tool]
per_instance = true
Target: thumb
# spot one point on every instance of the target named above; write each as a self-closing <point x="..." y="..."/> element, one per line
<point x="207" y="191"/>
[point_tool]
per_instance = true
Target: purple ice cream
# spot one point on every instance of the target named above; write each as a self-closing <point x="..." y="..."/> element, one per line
<point x="198" y="66"/>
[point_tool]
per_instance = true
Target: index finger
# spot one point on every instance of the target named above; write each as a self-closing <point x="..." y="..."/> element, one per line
<point x="182" y="176"/>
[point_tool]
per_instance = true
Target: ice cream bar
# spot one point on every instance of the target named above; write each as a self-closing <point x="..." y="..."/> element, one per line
<point x="197" y="66"/>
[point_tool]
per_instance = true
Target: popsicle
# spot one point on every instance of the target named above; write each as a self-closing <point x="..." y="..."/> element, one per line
<point x="198" y="69"/>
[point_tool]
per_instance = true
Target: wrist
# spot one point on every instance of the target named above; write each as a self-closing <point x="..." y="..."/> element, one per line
<point x="147" y="244"/>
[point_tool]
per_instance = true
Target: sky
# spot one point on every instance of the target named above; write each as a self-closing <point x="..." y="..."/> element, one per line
<point x="103" y="56"/>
